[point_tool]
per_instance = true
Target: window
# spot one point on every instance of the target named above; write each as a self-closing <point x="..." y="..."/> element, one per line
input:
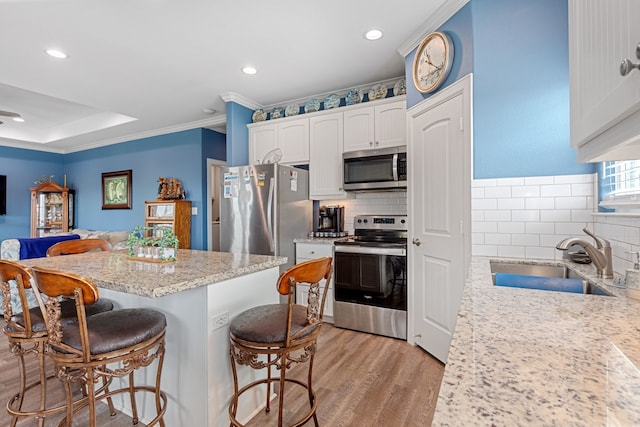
<point x="620" y="185"/>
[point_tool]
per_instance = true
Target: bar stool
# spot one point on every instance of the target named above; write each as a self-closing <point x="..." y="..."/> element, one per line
<point x="283" y="334"/>
<point x="27" y="334"/>
<point x="69" y="247"/>
<point x="132" y="338"/>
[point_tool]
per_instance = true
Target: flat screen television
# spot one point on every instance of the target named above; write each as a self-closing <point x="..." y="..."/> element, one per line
<point x="3" y="194"/>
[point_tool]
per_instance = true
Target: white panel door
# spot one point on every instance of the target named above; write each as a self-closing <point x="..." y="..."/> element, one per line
<point x="440" y="213"/>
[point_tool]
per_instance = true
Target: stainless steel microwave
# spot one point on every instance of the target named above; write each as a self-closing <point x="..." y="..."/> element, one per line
<point x="385" y="168"/>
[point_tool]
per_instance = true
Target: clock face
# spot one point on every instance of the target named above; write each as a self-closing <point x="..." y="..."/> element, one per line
<point x="432" y="62"/>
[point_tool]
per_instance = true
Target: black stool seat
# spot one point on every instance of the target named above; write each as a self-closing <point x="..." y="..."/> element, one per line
<point x="117" y="329"/>
<point x="263" y="324"/>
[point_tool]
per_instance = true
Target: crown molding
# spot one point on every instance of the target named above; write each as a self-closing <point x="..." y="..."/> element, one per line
<point x="441" y="15"/>
<point x="240" y="99"/>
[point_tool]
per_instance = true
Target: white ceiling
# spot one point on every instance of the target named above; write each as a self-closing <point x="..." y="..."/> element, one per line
<point x="139" y="68"/>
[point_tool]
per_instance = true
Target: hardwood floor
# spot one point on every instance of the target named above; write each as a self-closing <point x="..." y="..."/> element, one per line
<point x="360" y="380"/>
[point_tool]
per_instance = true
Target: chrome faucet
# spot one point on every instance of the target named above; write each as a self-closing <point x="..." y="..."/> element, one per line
<point x="600" y="254"/>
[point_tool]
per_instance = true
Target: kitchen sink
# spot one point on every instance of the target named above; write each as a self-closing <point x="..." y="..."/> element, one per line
<point x="543" y="272"/>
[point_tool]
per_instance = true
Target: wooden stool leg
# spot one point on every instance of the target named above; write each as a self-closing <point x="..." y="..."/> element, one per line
<point x="158" y="376"/>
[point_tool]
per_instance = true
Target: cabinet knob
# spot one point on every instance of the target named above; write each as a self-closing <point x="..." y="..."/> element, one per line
<point x="371" y="143"/>
<point x="627" y="66"/>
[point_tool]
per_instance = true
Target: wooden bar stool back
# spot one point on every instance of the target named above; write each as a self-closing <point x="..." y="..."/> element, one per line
<point x="27" y="334"/>
<point x="280" y="335"/>
<point x="131" y="338"/>
<point x="78" y="246"/>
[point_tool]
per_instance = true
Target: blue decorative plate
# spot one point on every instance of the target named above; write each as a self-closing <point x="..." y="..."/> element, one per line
<point x="400" y="88"/>
<point x="354" y="96"/>
<point x="331" y="101"/>
<point x="277" y="113"/>
<point x="259" y="116"/>
<point x="312" y="105"/>
<point x="377" y="92"/>
<point x="292" y="110"/>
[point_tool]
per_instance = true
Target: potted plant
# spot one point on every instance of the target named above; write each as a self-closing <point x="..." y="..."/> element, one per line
<point x="136" y="242"/>
<point x="167" y="243"/>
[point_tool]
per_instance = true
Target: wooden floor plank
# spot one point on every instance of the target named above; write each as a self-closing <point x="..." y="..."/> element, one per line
<point x="360" y="380"/>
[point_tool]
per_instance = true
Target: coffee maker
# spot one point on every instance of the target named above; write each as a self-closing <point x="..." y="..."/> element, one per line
<point x="330" y="222"/>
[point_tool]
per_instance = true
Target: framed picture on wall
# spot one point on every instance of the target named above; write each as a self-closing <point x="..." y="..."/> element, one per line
<point x="116" y="190"/>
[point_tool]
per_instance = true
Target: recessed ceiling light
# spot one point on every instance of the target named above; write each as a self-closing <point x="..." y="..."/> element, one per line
<point x="56" y="53"/>
<point x="18" y="119"/>
<point x="373" y="34"/>
<point x="249" y="70"/>
<point x="209" y="111"/>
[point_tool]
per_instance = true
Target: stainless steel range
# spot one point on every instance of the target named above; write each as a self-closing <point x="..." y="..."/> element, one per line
<point x="371" y="276"/>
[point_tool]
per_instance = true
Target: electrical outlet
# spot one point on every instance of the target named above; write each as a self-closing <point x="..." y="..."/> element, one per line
<point x="220" y="320"/>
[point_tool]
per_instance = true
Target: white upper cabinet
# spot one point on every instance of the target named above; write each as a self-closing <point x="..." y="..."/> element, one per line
<point x="293" y="140"/>
<point x="291" y="136"/>
<point x="379" y="126"/>
<point x="262" y="140"/>
<point x="605" y="105"/>
<point x="325" y="157"/>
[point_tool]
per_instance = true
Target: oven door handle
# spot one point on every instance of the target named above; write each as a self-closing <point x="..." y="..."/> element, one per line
<point x="371" y="250"/>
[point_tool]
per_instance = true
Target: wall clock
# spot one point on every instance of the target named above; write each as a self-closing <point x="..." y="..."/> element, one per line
<point x="432" y="62"/>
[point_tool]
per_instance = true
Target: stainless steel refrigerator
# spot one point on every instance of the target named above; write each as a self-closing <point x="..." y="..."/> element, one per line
<point x="263" y="209"/>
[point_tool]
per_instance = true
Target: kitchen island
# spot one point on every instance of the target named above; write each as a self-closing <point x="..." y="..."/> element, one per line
<point x="199" y="293"/>
<point x="522" y="357"/>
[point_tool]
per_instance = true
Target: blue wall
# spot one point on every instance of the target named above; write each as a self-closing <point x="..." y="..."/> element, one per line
<point x="238" y="117"/>
<point x="519" y="54"/>
<point x="23" y="168"/>
<point x="182" y="155"/>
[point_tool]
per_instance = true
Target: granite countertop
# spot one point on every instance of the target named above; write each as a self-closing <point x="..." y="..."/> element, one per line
<point x="530" y="357"/>
<point x="115" y="271"/>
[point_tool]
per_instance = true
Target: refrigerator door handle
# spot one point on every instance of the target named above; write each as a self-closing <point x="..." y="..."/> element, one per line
<point x="270" y="214"/>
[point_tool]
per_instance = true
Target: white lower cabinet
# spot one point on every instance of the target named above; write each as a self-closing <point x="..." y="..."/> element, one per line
<point x="306" y="252"/>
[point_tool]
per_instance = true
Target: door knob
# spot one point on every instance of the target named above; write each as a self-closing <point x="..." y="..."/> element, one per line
<point x="626" y="66"/>
<point x="416" y="241"/>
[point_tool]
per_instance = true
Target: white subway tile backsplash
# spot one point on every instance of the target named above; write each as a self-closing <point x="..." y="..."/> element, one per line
<point x="511" y="251"/>
<point x="540" y="203"/>
<point x="539" y="252"/>
<point x="571" y="202"/>
<point x="555" y="215"/>
<point x="491" y="215"/>
<point x="556" y="190"/>
<point x="484" y="250"/>
<point x="512" y="203"/>
<point x="497" y="239"/>
<point x="585" y="189"/>
<point x="526" y="215"/>
<point x="526" y="191"/>
<point x="538" y="180"/>
<point x="485" y="227"/>
<point x="497" y="192"/>
<point x="484" y="204"/>
<point x="510" y="181"/>
<point x="511" y="227"/>
<point x="477" y="193"/>
<point x="525" y="240"/>
<point x="539" y="228"/>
